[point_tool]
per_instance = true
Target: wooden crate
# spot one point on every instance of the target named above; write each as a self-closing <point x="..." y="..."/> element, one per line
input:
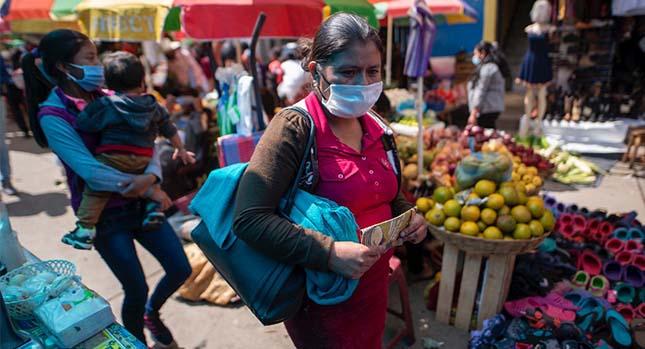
<point x="466" y="255"/>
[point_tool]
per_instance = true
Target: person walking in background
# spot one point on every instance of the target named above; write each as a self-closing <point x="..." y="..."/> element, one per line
<point x="486" y="87"/>
<point x="13" y="93"/>
<point x="5" y="166"/>
<point x="352" y="164"/>
<point x="294" y="77"/>
<point x="61" y="78"/>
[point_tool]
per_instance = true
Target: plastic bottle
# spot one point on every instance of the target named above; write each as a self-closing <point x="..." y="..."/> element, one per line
<point x="11" y="252"/>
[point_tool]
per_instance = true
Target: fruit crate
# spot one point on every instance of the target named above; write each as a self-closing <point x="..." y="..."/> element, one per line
<point x="499" y="259"/>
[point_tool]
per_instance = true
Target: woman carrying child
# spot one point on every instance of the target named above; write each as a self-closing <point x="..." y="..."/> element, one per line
<point x="61" y="79"/>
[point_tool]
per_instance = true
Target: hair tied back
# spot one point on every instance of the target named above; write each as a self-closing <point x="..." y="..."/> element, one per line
<point x="35" y="52"/>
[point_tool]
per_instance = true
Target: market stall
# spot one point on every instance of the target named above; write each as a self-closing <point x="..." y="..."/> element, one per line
<point x="597" y="91"/>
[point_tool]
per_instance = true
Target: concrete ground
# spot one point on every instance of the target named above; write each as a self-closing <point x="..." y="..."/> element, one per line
<point x="41" y="214"/>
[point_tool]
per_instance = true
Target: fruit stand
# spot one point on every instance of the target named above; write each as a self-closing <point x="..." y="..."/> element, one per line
<point x="482" y="226"/>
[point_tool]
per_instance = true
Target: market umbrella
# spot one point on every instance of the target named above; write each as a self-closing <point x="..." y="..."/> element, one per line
<point x="40" y="16"/>
<point x="443" y="11"/>
<point x="422" y="34"/>
<point x="358" y="7"/>
<point x="125" y="20"/>
<point x="229" y="19"/>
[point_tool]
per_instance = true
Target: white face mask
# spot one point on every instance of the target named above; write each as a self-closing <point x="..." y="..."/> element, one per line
<point x="352" y="101"/>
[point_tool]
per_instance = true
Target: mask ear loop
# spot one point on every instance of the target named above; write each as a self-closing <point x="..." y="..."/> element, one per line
<point x="319" y="74"/>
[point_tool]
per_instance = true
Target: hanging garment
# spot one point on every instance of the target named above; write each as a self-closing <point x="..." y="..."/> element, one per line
<point x="536" y="66"/>
<point x="245" y="102"/>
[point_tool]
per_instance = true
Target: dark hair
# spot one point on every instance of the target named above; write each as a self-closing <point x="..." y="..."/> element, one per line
<point x="228" y="52"/>
<point x="276" y="52"/>
<point x="123" y="71"/>
<point x="58" y="46"/>
<point x="335" y="35"/>
<point x="493" y="55"/>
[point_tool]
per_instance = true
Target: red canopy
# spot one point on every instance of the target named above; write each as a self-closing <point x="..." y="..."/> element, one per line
<point x="220" y="19"/>
<point x="30" y="9"/>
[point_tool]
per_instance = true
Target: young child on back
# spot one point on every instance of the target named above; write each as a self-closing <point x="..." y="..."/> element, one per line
<point x="128" y="123"/>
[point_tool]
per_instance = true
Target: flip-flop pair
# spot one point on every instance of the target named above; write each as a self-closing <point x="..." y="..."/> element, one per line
<point x="597" y="285"/>
<point x="625" y="234"/>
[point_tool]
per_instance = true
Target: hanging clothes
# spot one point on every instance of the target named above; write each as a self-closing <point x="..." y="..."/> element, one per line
<point x="228" y="114"/>
<point x="536" y="66"/>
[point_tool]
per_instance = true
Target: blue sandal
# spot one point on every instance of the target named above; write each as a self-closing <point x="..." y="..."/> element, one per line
<point x="619" y="329"/>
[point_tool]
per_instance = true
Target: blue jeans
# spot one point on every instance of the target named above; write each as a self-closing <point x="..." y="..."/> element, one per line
<point x="116" y="231"/>
<point x="5" y="167"/>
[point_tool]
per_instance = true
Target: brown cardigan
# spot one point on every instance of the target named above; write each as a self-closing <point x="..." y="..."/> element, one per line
<point x="271" y="170"/>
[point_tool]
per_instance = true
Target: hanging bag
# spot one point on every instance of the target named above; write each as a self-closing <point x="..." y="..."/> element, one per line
<point x="272" y="290"/>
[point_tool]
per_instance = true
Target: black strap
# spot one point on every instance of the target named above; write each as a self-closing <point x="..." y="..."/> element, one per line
<point x="291" y="194"/>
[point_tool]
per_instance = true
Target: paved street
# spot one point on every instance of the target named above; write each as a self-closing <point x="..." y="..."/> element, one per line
<point x="42" y="214"/>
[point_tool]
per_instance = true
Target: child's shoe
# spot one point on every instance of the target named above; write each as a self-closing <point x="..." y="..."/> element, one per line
<point x="80" y="238"/>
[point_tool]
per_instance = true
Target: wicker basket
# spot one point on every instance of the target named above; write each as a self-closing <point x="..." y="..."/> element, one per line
<point x="23" y="309"/>
<point x="485" y="246"/>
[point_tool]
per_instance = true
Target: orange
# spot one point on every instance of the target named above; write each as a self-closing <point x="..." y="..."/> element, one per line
<point x="506" y="223"/>
<point x="522" y="232"/>
<point x="442" y="194"/>
<point x="510" y="195"/>
<point x="521" y="214"/>
<point x="495" y="201"/>
<point x="547" y="220"/>
<point x="425" y="204"/>
<point x="535" y="204"/>
<point x="435" y="217"/>
<point x="469" y="228"/>
<point x="537" y="229"/>
<point x="470" y="213"/>
<point x="493" y="233"/>
<point x="489" y="216"/>
<point x="452" y="208"/>
<point x="452" y="224"/>
<point x="505" y="210"/>
<point x="481" y="225"/>
<point x="485" y="187"/>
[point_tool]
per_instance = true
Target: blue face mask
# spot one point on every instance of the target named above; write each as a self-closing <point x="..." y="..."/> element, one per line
<point x="93" y="77"/>
<point x="476" y="60"/>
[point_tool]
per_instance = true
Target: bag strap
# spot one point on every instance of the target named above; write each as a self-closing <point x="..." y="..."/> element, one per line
<point x="291" y="194"/>
<point x="389" y="144"/>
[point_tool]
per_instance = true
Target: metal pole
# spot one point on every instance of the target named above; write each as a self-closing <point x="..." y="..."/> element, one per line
<point x="254" y="70"/>
<point x="420" y="124"/>
<point x="388" y="53"/>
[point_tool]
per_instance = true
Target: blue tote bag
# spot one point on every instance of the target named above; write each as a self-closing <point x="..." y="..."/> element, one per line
<point x="272" y="290"/>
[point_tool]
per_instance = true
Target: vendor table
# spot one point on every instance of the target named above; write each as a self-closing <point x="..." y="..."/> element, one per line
<point x="590" y="137"/>
<point x="112" y="337"/>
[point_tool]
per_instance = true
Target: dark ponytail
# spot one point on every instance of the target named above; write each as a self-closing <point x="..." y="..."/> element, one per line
<point x="59" y="46"/>
<point x="493" y="55"/>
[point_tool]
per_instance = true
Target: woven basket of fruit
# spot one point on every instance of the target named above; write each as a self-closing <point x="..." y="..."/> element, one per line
<point x="487" y="218"/>
<point x="485" y="246"/>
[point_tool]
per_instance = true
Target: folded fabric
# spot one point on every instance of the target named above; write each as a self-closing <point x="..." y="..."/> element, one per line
<point x="309" y="211"/>
<point x="325" y="216"/>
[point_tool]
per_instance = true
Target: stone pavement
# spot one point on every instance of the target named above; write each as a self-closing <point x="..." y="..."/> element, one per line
<point x="42" y="214"/>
